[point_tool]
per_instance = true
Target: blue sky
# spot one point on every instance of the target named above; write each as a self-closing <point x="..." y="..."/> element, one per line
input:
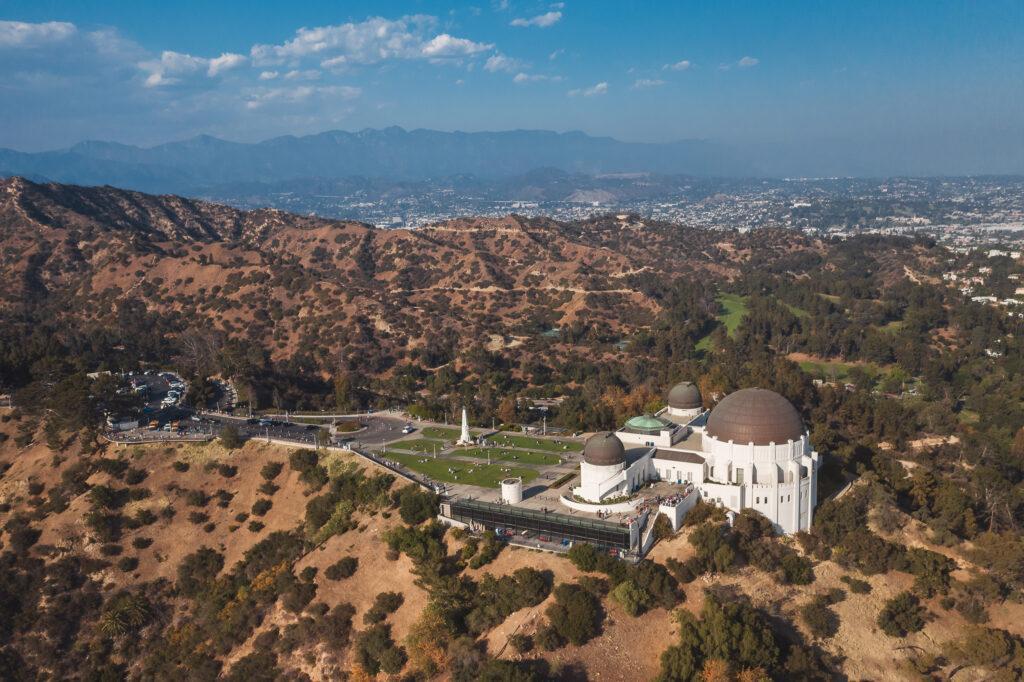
<point x="742" y="72"/>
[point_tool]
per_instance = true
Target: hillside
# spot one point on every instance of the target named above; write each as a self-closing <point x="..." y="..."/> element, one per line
<point x="83" y="254"/>
<point x="158" y="562"/>
<point x="164" y="556"/>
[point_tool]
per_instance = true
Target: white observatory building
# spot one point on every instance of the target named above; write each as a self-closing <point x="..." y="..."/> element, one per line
<point x="750" y="451"/>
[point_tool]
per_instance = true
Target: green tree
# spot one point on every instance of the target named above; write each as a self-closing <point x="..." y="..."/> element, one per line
<point x="230" y="437"/>
<point x="901" y="615"/>
<point x="819" y="619"/>
<point x="713" y="552"/>
<point x="583" y="556"/>
<point x="633" y="599"/>
<point x="198" y="569"/>
<point x="576" y="613"/>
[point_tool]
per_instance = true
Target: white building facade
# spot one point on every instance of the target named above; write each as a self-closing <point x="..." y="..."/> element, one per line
<point x="751" y="451"/>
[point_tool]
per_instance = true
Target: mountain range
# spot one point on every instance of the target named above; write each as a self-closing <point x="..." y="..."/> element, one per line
<point x="393" y="153"/>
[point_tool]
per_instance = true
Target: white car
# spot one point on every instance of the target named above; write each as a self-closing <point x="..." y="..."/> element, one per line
<point x="408" y="429"/>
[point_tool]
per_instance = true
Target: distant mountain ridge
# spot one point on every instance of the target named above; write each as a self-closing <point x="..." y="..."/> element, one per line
<point x="392" y="153"/>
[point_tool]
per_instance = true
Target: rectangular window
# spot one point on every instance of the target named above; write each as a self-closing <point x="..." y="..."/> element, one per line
<point x="739" y="476"/>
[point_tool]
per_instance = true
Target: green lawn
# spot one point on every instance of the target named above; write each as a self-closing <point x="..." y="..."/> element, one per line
<point x="968" y="416"/>
<point x="539" y="458"/>
<point x="418" y="445"/>
<point x="732" y="310"/>
<point x="443" y="433"/>
<point x="838" y="370"/>
<point x="483" y="475"/>
<point x="797" y="311"/>
<point x="529" y="443"/>
<point x="892" y="327"/>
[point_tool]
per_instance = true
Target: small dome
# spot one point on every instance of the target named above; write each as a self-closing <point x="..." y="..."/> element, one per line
<point x="755" y="415"/>
<point x="685" y="396"/>
<point x="604" y="449"/>
<point x="646" y="422"/>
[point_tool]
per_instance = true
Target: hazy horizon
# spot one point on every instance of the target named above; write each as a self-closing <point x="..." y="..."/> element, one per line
<point x="870" y="88"/>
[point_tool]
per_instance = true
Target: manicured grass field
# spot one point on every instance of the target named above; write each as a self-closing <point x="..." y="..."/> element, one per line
<point x="528" y="443"/>
<point x="443" y="433"/>
<point x="483" y="475"/>
<point x="539" y="458"/>
<point x="837" y="369"/>
<point x="733" y="308"/>
<point x="418" y="445"/>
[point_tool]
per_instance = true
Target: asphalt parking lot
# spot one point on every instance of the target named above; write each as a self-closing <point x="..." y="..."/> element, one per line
<point x="300" y="433"/>
<point x="379" y="429"/>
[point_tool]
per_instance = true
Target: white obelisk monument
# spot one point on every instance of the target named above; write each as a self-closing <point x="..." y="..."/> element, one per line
<point x="464" y="438"/>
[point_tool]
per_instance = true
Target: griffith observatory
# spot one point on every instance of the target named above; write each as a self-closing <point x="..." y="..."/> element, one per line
<point x="750" y="451"/>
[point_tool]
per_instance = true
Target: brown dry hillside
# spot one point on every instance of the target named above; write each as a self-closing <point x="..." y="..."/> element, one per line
<point x="87" y="254"/>
<point x="625" y="648"/>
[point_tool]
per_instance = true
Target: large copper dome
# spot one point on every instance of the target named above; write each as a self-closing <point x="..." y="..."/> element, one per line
<point x="604" y="449"/>
<point x="755" y="415"/>
<point x="685" y="396"/>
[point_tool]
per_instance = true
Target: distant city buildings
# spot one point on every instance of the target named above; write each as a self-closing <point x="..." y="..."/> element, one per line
<point x="959" y="212"/>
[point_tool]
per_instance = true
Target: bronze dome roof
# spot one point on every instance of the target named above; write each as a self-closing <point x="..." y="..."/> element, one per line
<point x="604" y="449"/>
<point x="755" y="415"/>
<point x="685" y="396"/>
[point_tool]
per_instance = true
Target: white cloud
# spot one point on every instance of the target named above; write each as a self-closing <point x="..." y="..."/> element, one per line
<point x="368" y="42"/>
<point x="747" y="61"/>
<point x="225" y="62"/>
<point x="499" y="62"/>
<point x="648" y="83"/>
<point x="335" y="63"/>
<point x="268" y="75"/>
<point x="541" y="20"/>
<point x="444" y="45"/>
<point x="599" y="89"/>
<point x="296" y="75"/>
<point x="557" y="5"/>
<point x="527" y="77"/>
<point x="173" y="66"/>
<point x="554" y="55"/>
<point x="678" y="66"/>
<point x="263" y="96"/>
<point x="21" y="34"/>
